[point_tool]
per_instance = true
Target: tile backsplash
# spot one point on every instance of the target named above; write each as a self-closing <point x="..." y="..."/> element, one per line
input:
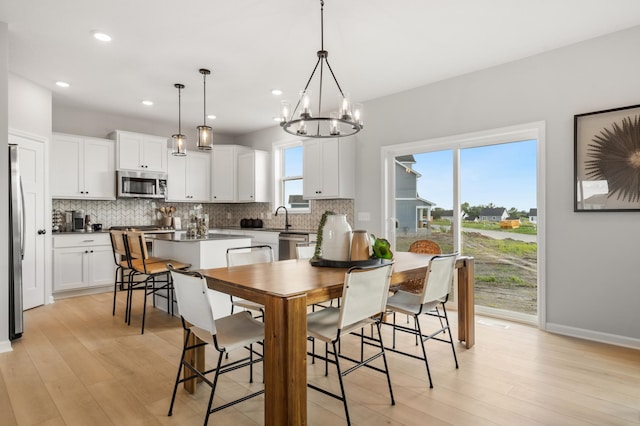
<point x="145" y="212"/>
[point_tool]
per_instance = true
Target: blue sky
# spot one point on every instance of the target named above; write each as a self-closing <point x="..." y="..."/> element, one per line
<point x="504" y="175"/>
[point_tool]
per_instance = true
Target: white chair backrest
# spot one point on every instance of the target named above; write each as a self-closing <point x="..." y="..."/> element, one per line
<point x="364" y="294"/>
<point x="305" y="251"/>
<point x="249" y="255"/>
<point x="439" y="279"/>
<point x="193" y="300"/>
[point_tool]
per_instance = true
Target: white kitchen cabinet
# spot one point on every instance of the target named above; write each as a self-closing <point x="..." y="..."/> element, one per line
<point x="82" y="261"/>
<point x="140" y="152"/>
<point x="224" y="172"/>
<point x="328" y="169"/>
<point x="189" y="177"/>
<point x="82" y="167"/>
<point x="253" y="177"/>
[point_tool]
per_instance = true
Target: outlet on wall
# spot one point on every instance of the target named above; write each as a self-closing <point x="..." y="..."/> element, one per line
<point x="364" y="216"/>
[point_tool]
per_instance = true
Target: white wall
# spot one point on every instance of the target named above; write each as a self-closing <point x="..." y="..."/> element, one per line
<point x="77" y="121"/>
<point x="592" y="285"/>
<point x="29" y="107"/>
<point x="4" y="189"/>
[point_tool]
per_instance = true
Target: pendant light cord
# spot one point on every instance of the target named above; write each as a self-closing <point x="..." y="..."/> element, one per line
<point x="179" y="110"/>
<point x="204" y="91"/>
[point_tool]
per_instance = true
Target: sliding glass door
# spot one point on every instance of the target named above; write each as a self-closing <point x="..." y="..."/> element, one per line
<point x="479" y="197"/>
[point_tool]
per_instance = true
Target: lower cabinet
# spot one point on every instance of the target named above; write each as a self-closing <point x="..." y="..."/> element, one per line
<point x="82" y="261"/>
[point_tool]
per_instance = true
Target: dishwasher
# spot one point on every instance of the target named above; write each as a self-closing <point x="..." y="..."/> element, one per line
<point x="287" y="244"/>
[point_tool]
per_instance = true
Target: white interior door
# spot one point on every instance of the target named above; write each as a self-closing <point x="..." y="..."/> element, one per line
<point x="31" y="167"/>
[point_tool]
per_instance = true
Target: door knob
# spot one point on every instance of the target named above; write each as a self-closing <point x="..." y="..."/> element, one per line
<point x="42" y="231"/>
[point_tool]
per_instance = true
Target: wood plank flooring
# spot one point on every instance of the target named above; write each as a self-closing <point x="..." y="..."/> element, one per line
<point x="78" y="365"/>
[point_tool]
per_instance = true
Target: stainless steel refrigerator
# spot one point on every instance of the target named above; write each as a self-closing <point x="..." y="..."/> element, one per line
<point x="16" y="245"/>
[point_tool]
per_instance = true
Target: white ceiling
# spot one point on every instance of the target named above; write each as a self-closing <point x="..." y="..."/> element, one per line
<point x="376" y="48"/>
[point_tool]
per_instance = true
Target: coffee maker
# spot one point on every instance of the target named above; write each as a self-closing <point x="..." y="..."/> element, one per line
<point x="77" y="221"/>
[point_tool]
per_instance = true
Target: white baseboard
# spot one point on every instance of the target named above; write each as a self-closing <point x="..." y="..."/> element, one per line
<point x="5" y="346"/>
<point x="595" y="336"/>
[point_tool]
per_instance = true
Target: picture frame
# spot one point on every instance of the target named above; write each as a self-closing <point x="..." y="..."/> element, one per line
<point x="607" y="160"/>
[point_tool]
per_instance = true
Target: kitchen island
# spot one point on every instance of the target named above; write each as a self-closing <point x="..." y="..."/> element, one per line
<point x="205" y="252"/>
<point x="209" y="251"/>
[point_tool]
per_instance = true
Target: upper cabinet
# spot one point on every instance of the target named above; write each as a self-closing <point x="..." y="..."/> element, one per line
<point x="224" y="171"/>
<point x="189" y="177"/>
<point x="82" y="167"/>
<point x="253" y="170"/>
<point x="136" y="151"/>
<point x="239" y="174"/>
<point x="328" y="168"/>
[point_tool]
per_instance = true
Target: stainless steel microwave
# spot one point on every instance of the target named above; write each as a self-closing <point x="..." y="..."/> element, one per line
<point x="141" y="184"/>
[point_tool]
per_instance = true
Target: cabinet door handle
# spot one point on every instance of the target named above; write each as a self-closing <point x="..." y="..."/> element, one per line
<point x="42" y="231"/>
<point x="91" y="251"/>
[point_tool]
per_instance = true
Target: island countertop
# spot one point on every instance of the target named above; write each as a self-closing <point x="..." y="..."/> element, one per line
<point x="182" y="237"/>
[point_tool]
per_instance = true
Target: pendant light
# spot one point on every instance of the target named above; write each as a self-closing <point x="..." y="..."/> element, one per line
<point x="179" y="140"/>
<point x="205" y="133"/>
<point x="346" y="121"/>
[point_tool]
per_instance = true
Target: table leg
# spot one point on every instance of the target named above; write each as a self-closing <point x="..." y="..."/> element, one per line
<point x="194" y="357"/>
<point x="285" y="360"/>
<point x="466" y="303"/>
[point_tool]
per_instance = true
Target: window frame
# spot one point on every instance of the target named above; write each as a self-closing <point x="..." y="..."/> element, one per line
<point x="279" y="149"/>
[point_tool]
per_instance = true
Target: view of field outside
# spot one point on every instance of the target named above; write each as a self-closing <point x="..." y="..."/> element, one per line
<point x="491" y="176"/>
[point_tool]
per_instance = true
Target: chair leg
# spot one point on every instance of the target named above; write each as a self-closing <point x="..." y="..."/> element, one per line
<point x="453" y="348"/>
<point x="386" y="367"/>
<point x="127" y="318"/>
<point x="213" y="388"/>
<point x="251" y="363"/>
<point x="144" y="306"/>
<point x="424" y="352"/>
<point x="115" y="288"/>
<point x="393" y="343"/>
<point x="344" y="397"/>
<point x="175" y="387"/>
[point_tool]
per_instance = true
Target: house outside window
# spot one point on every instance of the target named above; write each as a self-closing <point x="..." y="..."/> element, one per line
<point x="289" y="176"/>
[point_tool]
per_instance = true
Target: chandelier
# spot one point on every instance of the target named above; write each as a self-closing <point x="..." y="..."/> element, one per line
<point x="179" y="141"/>
<point x="301" y="121"/>
<point x="205" y="136"/>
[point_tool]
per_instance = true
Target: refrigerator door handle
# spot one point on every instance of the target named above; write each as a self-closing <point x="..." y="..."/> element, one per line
<point x="23" y="219"/>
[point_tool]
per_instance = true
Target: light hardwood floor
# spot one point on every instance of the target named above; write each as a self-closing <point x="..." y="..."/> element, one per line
<point x="78" y="365"/>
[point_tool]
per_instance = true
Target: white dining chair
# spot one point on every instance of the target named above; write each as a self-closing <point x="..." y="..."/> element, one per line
<point x="438" y="283"/>
<point x="238" y="256"/>
<point x="225" y="334"/>
<point x="364" y="297"/>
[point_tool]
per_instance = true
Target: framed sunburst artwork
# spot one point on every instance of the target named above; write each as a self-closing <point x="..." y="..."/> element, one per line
<point x="607" y="160"/>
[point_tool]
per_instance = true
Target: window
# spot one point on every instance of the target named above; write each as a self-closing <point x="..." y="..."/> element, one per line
<point x="289" y="175"/>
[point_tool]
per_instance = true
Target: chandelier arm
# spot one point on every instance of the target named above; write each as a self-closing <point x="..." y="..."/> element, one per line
<point x="334" y="77"/>
<point x="293" y="112"/>
<point x="320" y="93"/>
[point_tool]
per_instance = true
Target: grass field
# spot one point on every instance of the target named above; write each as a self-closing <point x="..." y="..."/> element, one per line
<point x="505" y="270"/>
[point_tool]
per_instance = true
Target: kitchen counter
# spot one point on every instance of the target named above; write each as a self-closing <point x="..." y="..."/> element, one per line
<point x="296" y="230"/>
<point x="182" y="237"/>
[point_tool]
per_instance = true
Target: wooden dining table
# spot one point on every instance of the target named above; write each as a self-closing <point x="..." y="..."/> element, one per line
<point x="285" y="289"/>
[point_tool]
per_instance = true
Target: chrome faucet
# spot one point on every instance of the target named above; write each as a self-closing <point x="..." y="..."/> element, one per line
<point x="286" y="217"/>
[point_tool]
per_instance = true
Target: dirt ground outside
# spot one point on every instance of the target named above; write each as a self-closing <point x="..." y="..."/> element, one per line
<point x="505" y="270"/>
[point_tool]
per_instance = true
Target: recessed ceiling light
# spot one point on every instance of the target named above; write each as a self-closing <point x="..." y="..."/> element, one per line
<point x="62" y="84"/>
<point x="278" y="119"/>
<point x="147" y="103"/>
<point x="211" y="117"/>
<point x="276" y="92"/>
<point x="99" y="35"/>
